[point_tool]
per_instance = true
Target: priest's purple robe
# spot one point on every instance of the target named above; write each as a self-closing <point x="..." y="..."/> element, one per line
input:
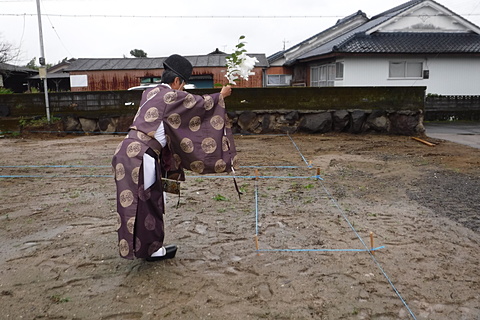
<point x="198" y="138"/>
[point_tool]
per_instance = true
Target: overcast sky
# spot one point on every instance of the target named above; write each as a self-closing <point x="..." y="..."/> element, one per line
<point x="111" y="28"/>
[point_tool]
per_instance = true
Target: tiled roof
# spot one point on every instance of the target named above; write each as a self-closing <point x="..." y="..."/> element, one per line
<point x="275" y="56"/>
<point x="356" y="40"/>
<point x="280" y="54"/>
<point x="12" y="68"/>
<point x="411" y="43"/>
<point x="211" y="60"/>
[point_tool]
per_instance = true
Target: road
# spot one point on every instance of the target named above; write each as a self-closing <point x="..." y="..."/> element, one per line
<point x="467" y="133"/>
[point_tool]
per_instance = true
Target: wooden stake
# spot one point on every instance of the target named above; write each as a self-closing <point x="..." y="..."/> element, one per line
<point x="371" y="242"/>
<point x="256" y="243"/>
<point x="318" y="172"/>
<point x="256" y="174"/>
<point x="423" y="141"/>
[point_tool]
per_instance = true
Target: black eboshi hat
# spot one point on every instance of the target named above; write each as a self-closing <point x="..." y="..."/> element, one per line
<point x="179" y="65"/>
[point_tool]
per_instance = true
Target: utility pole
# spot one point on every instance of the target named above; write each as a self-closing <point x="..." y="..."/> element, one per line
<point x="43" y="68"/>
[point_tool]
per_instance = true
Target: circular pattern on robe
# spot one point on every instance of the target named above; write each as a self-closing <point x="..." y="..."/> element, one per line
<point x="118" y="148"/>
<point x="174" y="120"/>
<point x="228" y="122"/>
<point x="220" y="166"/>
<point x="135" y="174"/>
<point x="126" y="198"/>
<point x="189" y="101"/>
<point x="221" y="101"/>
<point x="151" y="134"/>
<point x="178" y="160"/>
<point x="225" y="143"/>
<point x="195" y="124"/>
<point x="134" y="149"/>
<point x="124" y="248"/>
<point x="170" y="97"/>
<point x="152" y="93"/>
<point x="235" y="162"/>
<point x="217" y="122"/>
<point x="209" y="145"/>
<point x="119" y="221"/>
<point x="143" y="194"/>
<point x="208" y="102"/>
<point x="138" y="243"/>
<point x="154" y="247"/>
<point x="197" y="166"/>
<point x="119" y="171"/>
<point x="131" y="225"/>
<point x="151" y="115"/>
<point x="150" y="222"/>
<point x="186" y="145"/>
<point x="142" y="136"/>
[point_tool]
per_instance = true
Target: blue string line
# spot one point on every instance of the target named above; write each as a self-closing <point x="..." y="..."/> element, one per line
<point x="55" y="166"/>
<point x="277" y="167"/>
<point x="58" y="176"/>
<point x="320" y="250"/>
<point x="369" y="251"/>
<point x="305" y="160"/>
<point x="203" y="177"/>
<point x="77" y="132"/>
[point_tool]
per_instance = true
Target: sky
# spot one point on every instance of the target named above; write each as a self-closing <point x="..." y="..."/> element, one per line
<point x="111" y="28"/>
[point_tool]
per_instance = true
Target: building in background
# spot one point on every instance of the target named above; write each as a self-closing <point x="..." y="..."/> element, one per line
<point x="418" y="43"/>
<point x="15" y="78"/>
<point x="124" y="73"/>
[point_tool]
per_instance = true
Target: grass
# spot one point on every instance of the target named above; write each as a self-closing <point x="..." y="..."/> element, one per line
<point x="56" y="298"/>
<point x="219" y="197"/>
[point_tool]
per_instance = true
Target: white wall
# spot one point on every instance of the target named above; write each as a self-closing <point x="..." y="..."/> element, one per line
<point x="448" y="76"/>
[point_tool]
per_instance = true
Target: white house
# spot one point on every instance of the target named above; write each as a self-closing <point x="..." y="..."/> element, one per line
<point x="418" y="43"/>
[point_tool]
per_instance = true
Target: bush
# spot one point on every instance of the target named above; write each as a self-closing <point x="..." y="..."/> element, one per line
<point x="5" y="91"/>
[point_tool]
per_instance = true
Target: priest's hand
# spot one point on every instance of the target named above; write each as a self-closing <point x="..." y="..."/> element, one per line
<point x="226" y="91"/>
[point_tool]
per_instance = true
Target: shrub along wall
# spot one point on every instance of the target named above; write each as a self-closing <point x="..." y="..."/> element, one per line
<point x="396" y="110"/>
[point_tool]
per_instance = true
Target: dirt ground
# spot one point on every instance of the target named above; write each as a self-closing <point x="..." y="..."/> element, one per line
<point x="58" y="249"/>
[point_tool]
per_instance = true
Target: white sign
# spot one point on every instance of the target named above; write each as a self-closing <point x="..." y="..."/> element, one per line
<point x="42" y="72"/>
<point x="78" y="81"/>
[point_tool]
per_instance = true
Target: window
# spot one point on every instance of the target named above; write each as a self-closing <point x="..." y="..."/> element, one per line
<point x="279" y="79"/>
<point x="405" y="69"/>
<point x="339" y="70"/>
<point x="145" y="80"/>
<point x="323" y="75"/>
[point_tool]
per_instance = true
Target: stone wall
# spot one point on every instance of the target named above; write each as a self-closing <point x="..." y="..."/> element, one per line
<point x="393" y="110"/>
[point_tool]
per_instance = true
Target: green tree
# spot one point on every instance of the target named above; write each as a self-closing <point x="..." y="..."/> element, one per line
<point x="32" y="64"/>
<point x="138" y="53"/>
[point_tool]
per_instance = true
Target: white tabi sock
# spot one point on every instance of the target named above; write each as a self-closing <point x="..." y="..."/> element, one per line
<point x="160" y="252"/>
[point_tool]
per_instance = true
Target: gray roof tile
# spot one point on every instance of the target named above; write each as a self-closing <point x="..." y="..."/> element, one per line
<point x="212" y="60"/>
<point x="411" y="43"/>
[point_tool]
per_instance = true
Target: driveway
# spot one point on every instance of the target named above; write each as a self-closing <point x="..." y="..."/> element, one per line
<point x="467" y="133"/>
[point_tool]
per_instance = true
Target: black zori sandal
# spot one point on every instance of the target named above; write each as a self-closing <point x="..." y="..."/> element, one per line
<point x="171" y="250"/>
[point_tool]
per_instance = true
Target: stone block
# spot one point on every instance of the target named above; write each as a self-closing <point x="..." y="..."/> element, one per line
<point x="341" y="119"/>
<point x="88" y="125"/>
<point x="358" y="118"/>
<point x="316" y="123"/>
<point x="71" y="124"/>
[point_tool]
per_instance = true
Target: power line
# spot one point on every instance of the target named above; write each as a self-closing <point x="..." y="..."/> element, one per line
<point x="206" y="16"/>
